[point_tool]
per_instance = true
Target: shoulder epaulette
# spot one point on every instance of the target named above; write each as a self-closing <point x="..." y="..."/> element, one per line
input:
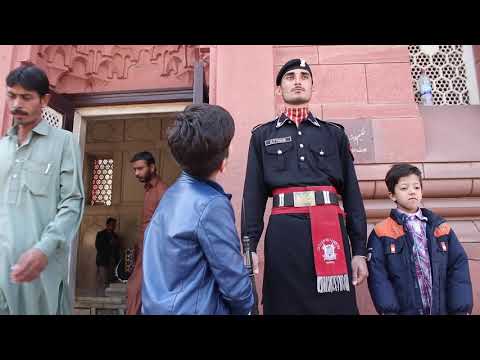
<point x="336" y="125"/>
<point x="260" y="125"/>
<point x="257" y="126"/>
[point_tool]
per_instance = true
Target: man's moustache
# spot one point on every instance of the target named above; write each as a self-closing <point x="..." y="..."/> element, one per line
<point x="18" y="112"/>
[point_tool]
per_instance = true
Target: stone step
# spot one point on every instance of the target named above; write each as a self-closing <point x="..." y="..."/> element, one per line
<point x="101" y="299"/>
<point x="111" y="293"/>
<point x="86" y="305"/>
<point x="118" y="285"/>
<point x="116" y="290"/>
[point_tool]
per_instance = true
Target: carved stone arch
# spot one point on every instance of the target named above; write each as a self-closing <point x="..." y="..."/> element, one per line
<point x="59" y="57"/>
<point x="48" y="52"/>
<point x="79" y="59"/>
<point x="157" y="53"/>
<point x="146" y="54"/>
<point x="104" y="69"/>
<point x="117" y="66"/>
<point x="171" y="67"/>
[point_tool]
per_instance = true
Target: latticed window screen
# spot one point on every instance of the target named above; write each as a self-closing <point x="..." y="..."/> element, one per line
<point x="445" y="68"/>
<point x="54" y="118"/>
<point x="129" y="260"/>
<point x="101" y="189"/>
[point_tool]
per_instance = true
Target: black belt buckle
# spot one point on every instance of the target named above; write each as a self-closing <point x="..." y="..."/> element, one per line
<point x="305" y="199"/>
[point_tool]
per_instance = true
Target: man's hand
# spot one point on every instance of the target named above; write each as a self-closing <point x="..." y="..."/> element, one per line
<point x="359" y="270"/>
<point x="254" y="262"/>
<point x="29" y="266"/>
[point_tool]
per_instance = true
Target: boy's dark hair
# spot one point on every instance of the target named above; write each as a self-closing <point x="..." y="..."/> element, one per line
<point x="200" y="137"/>
<point x="110" y="220"/>
<point x="144" y="155"/>
<point x="398" y="171"/>
<point x="31" y="78"/>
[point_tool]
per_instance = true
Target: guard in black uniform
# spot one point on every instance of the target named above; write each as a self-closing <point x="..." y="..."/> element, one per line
<point x="307" y="166"/>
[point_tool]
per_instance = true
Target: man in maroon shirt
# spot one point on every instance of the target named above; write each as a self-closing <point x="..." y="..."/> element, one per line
<point x="145" y="171"/>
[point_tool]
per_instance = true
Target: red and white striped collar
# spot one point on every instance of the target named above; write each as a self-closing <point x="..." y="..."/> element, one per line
<point x="296" y="115"/>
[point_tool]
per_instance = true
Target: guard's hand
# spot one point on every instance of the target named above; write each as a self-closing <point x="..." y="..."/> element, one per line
<point x="359" y="270"/>
<point x="29" y="266"/>
<point x="254" y="262"/>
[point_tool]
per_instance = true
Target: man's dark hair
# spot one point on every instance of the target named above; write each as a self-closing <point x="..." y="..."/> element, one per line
<point x="31" y="78"/>
<point x="144" y="155"/>
<point x="398" y="171"/>
<point x="111" y="220"/>
<point x="200" y="137"/>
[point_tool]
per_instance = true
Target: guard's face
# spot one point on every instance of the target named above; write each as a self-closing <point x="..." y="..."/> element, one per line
<point x="143" y="171"/>
<point x="296" y="87"/>
<point x="25" y="105"/>
<point x="408" y="193"/>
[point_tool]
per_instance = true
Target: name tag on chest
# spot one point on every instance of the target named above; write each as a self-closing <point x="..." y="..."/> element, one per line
<point x="278" y="141"/>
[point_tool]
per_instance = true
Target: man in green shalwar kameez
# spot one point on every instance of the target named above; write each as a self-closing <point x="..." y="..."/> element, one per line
<point x="41" y="201"/>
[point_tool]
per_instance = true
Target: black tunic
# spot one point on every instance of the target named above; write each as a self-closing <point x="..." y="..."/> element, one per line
<point x="282" y="155"/>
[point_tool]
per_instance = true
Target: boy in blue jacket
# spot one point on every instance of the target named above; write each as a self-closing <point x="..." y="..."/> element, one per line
<point x="416" y="264"/>
<point x="191" y="259"/>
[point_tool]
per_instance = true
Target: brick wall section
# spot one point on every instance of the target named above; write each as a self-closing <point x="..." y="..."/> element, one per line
<point x="356" y="81"/>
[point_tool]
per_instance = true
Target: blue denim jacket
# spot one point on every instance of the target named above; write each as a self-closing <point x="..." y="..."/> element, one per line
<point x="192" y="262"/>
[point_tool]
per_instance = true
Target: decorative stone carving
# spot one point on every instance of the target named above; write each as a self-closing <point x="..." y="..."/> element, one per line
<point x="76" y="68"/>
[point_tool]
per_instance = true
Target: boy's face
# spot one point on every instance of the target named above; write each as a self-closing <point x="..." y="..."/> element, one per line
<point x="407" y="193"/>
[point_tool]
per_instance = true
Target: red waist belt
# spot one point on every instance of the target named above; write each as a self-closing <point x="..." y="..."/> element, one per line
<point x="327" y="239"/>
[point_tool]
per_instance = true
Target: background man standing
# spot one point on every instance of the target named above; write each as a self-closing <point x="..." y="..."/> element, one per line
<point x="108" y="253"/>
<point x="145" y="171"/>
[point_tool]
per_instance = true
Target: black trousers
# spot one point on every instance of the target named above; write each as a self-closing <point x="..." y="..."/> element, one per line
<point x="290" y="281"/>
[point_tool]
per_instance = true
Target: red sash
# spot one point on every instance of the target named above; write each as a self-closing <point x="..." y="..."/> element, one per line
<point x="327" y="240"/>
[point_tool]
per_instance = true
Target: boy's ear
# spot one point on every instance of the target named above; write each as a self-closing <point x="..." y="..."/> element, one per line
<point x="223" y="165"/>
<point x="392" y="196"/>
